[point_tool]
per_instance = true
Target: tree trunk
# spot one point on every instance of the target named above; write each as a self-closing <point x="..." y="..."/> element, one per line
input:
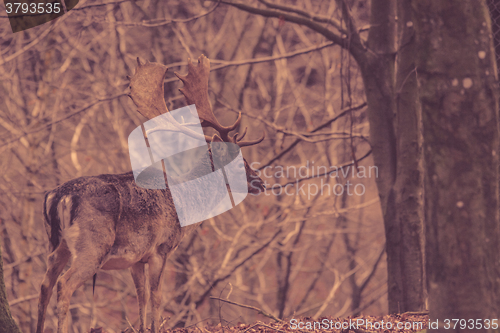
<point x="378" y="77"/>
<point x="494" y="6"/>
<point x="7" y="323"/>
<point x="396" y="149"/>
<point x="409" y="181"/>
<point x="456" y="71"/>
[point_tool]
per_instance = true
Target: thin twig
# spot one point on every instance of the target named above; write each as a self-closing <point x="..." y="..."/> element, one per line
<point x="318" y="18"/>
<point x="35" y="41"/>
<point x="315" y="26"/>
<point x="325" y="124"/>
<point x="327" y="173"/>
<point x="250" y="327"/>
<point x="130" y="325"/>
<point x="260" y="311"/>
<point x="268" y="326"/>
<point x="224" y="64"/>
<point x="22" y="299"/>
<point x="101" y="4"/>
<point x="374" y="268"/>
<point x="44" y="126"/>
<point x="221" y="277"/>
<point x="151" y="23"/>
<point x="416" y="313"/>
<point x="164" y="321"/>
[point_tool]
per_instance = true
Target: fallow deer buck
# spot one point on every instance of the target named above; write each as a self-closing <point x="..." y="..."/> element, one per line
<point x="109" y="222"/>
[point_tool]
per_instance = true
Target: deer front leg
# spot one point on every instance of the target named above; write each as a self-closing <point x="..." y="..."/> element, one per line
<point x="156" y="267"/>
<point x="139" y="278"/>
<point x="55" y="264"/>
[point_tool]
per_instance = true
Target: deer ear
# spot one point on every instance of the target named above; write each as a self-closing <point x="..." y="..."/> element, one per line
<point x="219" y="147"/>
<point x="216" y="138"/>
<point x="219" y="152"/>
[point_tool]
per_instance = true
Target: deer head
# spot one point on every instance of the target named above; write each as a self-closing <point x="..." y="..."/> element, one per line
<point x="148" y="95"/>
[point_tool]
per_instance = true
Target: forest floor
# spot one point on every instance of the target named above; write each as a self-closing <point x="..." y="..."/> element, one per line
<point x="401" y="323"/>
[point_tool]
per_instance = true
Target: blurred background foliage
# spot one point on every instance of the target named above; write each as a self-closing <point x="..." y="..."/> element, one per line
<point x="64" y="113"/>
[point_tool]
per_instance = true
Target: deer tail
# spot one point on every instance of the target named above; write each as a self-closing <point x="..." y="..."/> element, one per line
<point x="52" y="219"/>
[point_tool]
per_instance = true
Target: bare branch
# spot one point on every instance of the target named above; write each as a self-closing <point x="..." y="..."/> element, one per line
<point x="318" y="18"/>
<point x="352" y="31"/>
<point x="301" y="136"/>
<point x="130" y="325"/>
<point x="225" y="64"/>
<point x="101" y="4"/>
<point x="23" y="299"/>
<point x="85" y="108"/>
<point x="155" y="23"/>
<point x="260" y="311"/>
<point x="357" y="49"/>
<point x="374" y="269"/>
<point x="329" y="172"/>
<point x="222" y="277"/>
<point x="34" y="41"/>
<point x="268" y="326"/>
<point x="325" y="124"/>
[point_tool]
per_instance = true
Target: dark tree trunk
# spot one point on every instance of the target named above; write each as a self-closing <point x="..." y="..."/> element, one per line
<point x="7" y="323"/>
<point x="457" y="77"/>
<point x="396" y="150"/>
<point x="494" y="6"/>
<point x="378" y="73"/>
<point x="409" y="180"/>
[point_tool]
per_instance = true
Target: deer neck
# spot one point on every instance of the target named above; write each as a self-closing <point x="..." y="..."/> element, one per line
<point x="201" y="193"/>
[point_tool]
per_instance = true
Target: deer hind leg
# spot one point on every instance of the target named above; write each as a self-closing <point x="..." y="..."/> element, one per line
<point x="81" y="270"/>
<point x="55" y="264"/>
<point x="75" y="276"/>
<point x="139" y="277"/>
<point x="88" y="256"/>
<point x="156" y="267"/>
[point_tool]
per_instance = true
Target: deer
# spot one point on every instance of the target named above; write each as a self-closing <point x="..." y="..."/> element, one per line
<point x="108" y="222"/>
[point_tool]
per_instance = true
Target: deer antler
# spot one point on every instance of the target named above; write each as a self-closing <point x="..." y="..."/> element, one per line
<point x="196" y="92"/>
<point x="146" y="91"/>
